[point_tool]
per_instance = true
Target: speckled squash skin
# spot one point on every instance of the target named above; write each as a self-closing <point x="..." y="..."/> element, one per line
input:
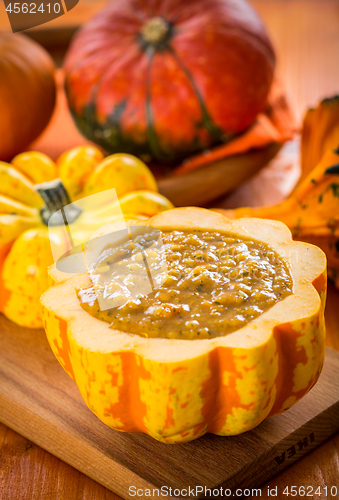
<point x="25" y="250"/>
<point x="178" y="390"/>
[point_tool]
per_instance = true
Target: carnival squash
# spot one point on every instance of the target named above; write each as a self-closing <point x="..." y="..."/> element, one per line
<point x="27" y="92"/>
<point x="30" y="195"/>
<point x="175" y="389"/>
<point x="164" y="80"/>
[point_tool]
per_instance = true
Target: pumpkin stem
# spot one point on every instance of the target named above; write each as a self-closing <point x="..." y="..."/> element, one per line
<point x="56" y="198"/>
<point x="156" y="31"/>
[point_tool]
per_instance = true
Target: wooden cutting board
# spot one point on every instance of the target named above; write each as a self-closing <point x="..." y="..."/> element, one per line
<point x="38" y="400"/>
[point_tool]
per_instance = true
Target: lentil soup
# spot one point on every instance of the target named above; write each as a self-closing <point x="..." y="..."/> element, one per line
<point x="214" y="284"/>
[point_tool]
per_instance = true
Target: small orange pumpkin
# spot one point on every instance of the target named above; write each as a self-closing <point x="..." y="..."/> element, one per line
<point x="27" y="92"/>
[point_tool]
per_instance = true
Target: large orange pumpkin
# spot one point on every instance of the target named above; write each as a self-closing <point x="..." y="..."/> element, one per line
<point x="27" y="92"/>
<point x="169" y="78"/>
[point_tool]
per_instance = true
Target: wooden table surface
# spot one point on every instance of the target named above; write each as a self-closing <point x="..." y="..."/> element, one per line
<point x="306" y="36"/>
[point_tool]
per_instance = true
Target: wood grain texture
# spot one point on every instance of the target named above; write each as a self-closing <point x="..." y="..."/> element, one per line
<point x="39" y="400"/>
<point x="306" y="35"/>
<point x="27" y="472"/>
<point x="320" y="468"/>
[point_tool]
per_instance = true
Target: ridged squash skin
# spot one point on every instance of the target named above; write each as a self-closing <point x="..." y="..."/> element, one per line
<point x="138" y="69"/>
<point x="178" y="390"/>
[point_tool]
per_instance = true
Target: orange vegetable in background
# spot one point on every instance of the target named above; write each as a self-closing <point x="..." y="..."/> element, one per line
<point x="166" y="79"/>
<point x="27" y="92"/>
<point x="312" y="210"/>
